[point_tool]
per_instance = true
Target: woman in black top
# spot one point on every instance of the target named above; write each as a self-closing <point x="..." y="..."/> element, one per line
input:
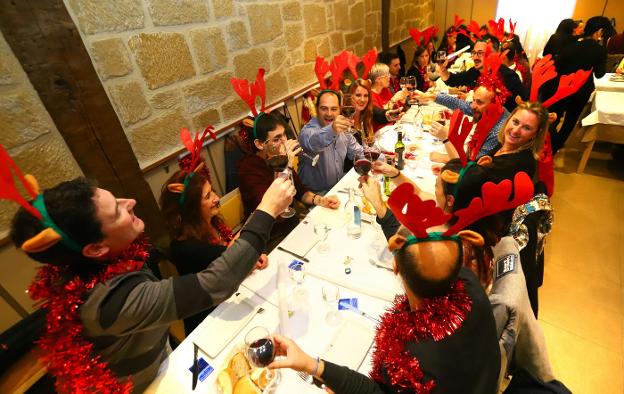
<point x="198" y="233"/>
<point x="584" y="54"/>
<point x="420" y="63"/>
<point x="564" y="36"/>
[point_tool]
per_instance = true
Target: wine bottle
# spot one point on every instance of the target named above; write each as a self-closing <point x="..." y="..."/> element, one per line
<point x="386" y="179"/>
<point x="399" y="148"/>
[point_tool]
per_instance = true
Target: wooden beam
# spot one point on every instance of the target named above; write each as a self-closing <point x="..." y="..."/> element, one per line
<point x="46" y="42"/>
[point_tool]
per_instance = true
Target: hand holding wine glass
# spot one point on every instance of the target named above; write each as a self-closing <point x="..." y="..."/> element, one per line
<point x="439" y="130"/>
<point x="277" y="159"/>
<point x="259" y="348"/>
<point x="348" y="109"/>
<point x="277" y="197"/>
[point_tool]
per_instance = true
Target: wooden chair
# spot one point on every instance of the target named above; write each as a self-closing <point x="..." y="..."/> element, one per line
<point x="25" y="372"/>
<point x="232" y="210"/>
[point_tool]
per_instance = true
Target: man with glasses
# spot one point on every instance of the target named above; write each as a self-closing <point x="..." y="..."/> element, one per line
<point x="469" y="77"/>
<point x="255" y="174"/>
<point x="328" y="136"/>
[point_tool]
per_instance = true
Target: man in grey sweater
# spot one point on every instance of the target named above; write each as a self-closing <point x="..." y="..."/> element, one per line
<point x="126" y="317"/>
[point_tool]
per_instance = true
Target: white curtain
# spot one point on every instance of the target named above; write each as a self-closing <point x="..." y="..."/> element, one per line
<point x="537" y="20"/>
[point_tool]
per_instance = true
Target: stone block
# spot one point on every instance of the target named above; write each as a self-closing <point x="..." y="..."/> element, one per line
<point x="352" y="39"/>
<point x="300" y="75"/>
<point x="211" y="91"/>
<point x="48" y="159"/>
<point x="296" y="56"/>
<point x="336" y="42"/>
<point x="163" y="58"/>
<point x="309" y="51"/>
<point x="294" y="35"/>
<point x="209" y="47"/>
<point x="166" y="100"/>
<point x="278" y="57"/>
<point x="158" y="137"/>
<point x="277" y="86"/>
<point x="356" y="16"/>
<point x="314" y="19"/>
<point x="237" y="35"/>
<point x="96" y="16"/>
<point x="166" y="13"/>
<point x="371" y="23"/>
<point x="359" y="49"/>
<point x="130" y="102"/>
<point x="223" y="8"/>
<point x="322" y="47"/>
<point x="341" y="15"/>
<point x="233" y="110"/>
<point x="265" y="22"/>
<point x="247" y="64"/>
<point x="205" y="118"/>
<point x="369" y="42"/>
<point x="291" y="11"/>
<point x="23" y="118"/>
<point x="10" y="69"/>
<point x="111" y="58"/>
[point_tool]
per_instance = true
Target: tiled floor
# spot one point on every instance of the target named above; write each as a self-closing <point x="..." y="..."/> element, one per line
<point x="582" y="299"/>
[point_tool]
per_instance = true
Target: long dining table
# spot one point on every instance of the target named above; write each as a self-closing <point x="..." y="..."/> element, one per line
<point x="271" y="298"/>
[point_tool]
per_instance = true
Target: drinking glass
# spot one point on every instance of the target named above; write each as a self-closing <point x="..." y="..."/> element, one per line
<point x="331" y="295"/>
<point x="362" y="163"/>
<point x="411" y="87"/>
<point x="440" y="57"/>
<point x="260" y="349"/>
<point x="348" y="108"/>
<point x="321" y="230"/>
<point x="403" y="82"/>
<point x="277" y="159"/>
<point x="297" y="272"/>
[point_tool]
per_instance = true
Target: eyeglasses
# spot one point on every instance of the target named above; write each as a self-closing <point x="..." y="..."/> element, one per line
<point x="277" y="139"/>
<point x="477" y="53"/>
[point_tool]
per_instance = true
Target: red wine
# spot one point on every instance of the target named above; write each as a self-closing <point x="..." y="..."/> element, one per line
<point x="347" y="110"/>
<point x="261" y="352"/>
<point x="278" y="163"/>
<point x="373" y="154"/>
<point x="362" y="166"/>
<point x="441" y="121"/>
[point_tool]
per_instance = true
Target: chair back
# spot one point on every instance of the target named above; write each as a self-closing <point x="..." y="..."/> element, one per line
<point x="232" y="210"/>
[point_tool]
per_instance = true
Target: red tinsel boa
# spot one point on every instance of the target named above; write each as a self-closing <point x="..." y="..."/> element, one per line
<point x="69" y="356"/>
<point x="225" y="233"/>
<point x="437" y="319"/>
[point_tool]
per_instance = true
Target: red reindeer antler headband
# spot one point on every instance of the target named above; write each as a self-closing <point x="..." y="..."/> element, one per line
<point x="426" y="35"/>
<point x="497" y="29"/>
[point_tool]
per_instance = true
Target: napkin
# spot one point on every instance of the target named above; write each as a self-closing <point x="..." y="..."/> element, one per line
<point x="301" y="239"/>
<point x="350" y="344"/>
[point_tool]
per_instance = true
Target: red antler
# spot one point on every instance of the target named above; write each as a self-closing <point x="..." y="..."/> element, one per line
<point x="494" y="198"/>
<point x="194" y="146"/>
<point x="248" y="92"/>
<point x="459" y="129"/>
<point x="543" y="71"/>
<point x="489" y="117"/>
<point x="416" y="35"/>
<point x="428" y="34"/>
<point x="476" y="30"/>
<point x="497" y="29"/>
<point x="568" y="84"/>
<point x="338" y="65"/>
<point x="321" y="68"/>
<point x="352" y="62"/>
<point x="8" y="187"/>
<point x="512" y="29"/>
<point x="369" y="60"/>
<point x="413" y="213"/>
<point x="458" y="22"/>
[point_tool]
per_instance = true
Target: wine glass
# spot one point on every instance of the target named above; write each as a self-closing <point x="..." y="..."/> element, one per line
<point x="277" y="159"/>
<point x="348" y="108"/>
<point x="362" y="163"/>
<point x="331" y="295"/>
<point x="260" y="349"/>
<point x="440" y="57"/>
<point x="321" y="230"/>
<point x="411" y="87"/>
<point x="403" y="82"/>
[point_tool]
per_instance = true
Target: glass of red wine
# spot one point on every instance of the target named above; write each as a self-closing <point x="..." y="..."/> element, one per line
<point x="363" y="163"/>
<point x="348" y="108"/>
<point x="277" y="159"/>
<point x="411" y="87"/>
<point x="440" y="57"/>
<point x="260" y="349"/>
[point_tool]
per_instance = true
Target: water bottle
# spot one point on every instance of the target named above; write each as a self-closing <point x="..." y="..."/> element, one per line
<point x="354" y="216"/>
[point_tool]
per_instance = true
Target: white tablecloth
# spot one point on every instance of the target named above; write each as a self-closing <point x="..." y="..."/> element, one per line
<point x="607" y="108"/>
<point x="606" y="84"/>
<point x="373" y="287"/>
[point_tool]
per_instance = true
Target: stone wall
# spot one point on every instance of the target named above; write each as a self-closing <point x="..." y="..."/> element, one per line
<point x="167" y="64"/>
<point x="28" y="132"/>
<point x="32" y="139"/>
<point x="408" y="13"/>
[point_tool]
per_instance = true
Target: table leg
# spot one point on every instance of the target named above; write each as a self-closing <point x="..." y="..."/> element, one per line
<point x="586" y="152"/>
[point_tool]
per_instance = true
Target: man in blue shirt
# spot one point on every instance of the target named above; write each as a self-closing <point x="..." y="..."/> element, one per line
<point x="328" y="136"/>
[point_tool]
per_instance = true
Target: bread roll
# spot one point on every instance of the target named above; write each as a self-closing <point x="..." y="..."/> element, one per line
<point x="226" y="380"/>
<point x="245" y="386"/>
<point x="239" y="365"/>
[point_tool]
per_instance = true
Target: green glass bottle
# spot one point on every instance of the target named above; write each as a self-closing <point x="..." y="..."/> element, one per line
<point x="399" y="148"/>
<point x="386" y="179"/>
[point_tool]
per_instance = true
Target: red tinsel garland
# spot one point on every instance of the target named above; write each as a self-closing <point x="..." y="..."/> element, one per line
<point x="225" y="233"/>
<point x="70" y="357"/>
<point x="437" y="319"/>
